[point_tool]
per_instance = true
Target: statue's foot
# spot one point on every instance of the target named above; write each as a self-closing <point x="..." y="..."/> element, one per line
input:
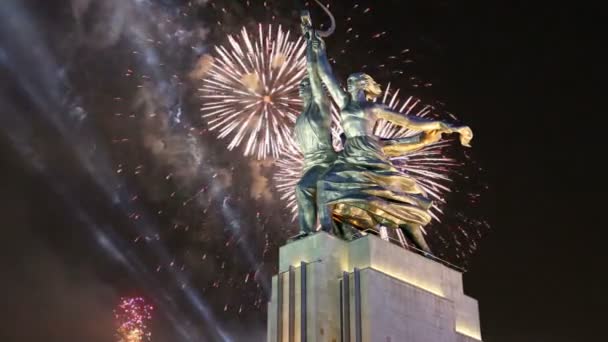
<point x="301" y="235"/>
<point x="352" y="234"/>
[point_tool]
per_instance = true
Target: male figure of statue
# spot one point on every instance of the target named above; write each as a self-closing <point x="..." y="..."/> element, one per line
<point x="313" y="136"/>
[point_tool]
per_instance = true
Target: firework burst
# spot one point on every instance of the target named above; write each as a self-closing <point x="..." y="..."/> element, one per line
<point x="251" y="91"/>
<point x="132" y="316"/>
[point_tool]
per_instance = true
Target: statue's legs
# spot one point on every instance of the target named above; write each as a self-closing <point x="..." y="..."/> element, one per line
<point x="414" y="233"/>
<point x="324" y="210"/>
<point x="347" y="231"/>
<point x="306" y="197"/>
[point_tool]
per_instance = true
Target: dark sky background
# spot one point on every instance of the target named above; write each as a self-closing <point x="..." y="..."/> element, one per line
<point x="76" y="238"/>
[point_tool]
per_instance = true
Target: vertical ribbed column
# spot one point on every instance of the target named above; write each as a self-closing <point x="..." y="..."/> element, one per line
<point x="358" y="328"/>
<point x="279" y="307"/>
<point x="291" y="314"/>
<point x="303" y="308"/>
<point x="345" y="307"/>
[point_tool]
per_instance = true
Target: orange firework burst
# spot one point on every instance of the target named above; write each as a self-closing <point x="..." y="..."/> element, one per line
<point x="132" y="316"/>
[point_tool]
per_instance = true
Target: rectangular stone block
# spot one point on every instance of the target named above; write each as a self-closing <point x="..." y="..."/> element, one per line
<point x="408" y="313"/>
<point x="392" y="295"/>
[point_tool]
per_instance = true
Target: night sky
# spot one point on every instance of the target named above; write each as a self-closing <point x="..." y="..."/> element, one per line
<point x="93" y="208"/>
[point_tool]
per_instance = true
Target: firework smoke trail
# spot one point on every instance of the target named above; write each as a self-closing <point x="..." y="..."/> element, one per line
<point x="162" y="97"/>
<point x="19" y="133"/>
<point x="46" y="90"/>
<point x="430" y="166"/>
<point x="132" y="315"/>
<point x="251" y="90"/>
<point x="168" y="94"/>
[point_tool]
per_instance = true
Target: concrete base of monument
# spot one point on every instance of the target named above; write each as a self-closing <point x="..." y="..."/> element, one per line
<point x="366" y="290"/>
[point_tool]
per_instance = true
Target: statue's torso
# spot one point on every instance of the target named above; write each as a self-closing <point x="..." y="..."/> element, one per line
<point x="358" y="119"/>
<point x="312" y="130"/>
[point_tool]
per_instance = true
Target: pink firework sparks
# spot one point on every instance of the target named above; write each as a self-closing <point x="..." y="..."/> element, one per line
<point x="132" y="315"/>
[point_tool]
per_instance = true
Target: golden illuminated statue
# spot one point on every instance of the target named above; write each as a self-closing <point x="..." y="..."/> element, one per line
<point x="358" y="187"/>
<point x="362" y="188"/>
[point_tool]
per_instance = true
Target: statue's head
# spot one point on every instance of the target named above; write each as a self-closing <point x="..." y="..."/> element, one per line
<point x="363" y="82"/>
<point x="305" y="90"/>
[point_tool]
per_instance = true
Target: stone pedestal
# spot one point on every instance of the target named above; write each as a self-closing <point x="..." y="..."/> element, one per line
<point x="367" y="290"/>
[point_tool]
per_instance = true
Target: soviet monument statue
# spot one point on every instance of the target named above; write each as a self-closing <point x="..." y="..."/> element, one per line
<point x="358" y="187"/>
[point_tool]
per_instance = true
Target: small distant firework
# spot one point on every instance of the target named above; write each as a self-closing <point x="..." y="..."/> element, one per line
<point x="132" y="316"/>
<point x="430" y="166"/>
<point x="251" y="91"/>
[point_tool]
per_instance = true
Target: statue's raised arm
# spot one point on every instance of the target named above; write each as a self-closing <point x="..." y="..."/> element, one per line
<point x="326" y="74"/>
<point x="316" y="86"/>
<point x="311" y="59"/>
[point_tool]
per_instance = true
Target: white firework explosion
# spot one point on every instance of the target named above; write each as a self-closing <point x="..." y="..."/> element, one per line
<point x="429" y="166"/>
<point x="251" y="91"/>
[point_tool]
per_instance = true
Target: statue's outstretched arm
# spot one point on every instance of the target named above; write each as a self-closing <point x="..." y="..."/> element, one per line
<point x="466" y="134"/>
<point x="400" y="146"/>
<point x="408" y="122"/>
<point x="326" y="74"/>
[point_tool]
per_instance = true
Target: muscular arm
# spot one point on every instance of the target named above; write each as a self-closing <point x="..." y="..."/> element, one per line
<point x="435" y="127"/>
<point x="315" y="82"/>
<point x="411" y="123"/>
<point x="401" y="146"/>
<point x="327" y="76"/>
